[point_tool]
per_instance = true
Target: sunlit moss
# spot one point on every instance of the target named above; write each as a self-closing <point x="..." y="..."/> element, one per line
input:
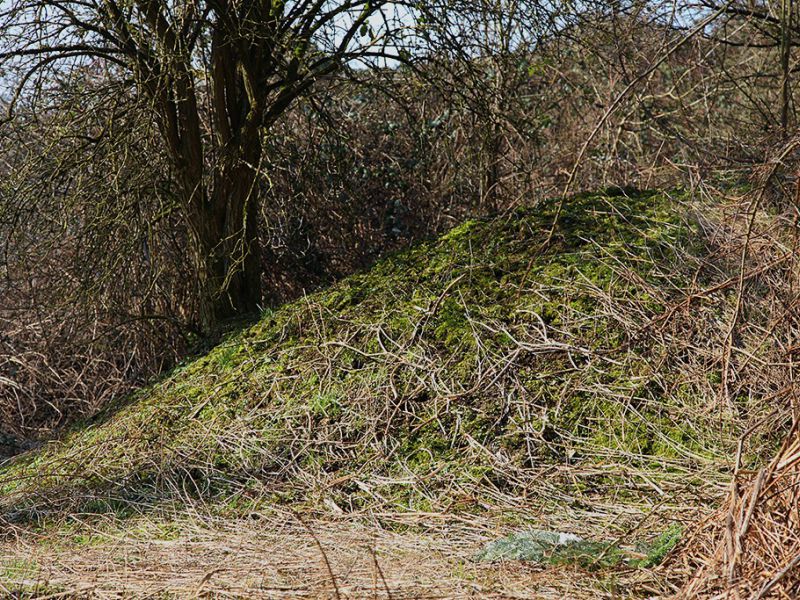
<point x="423" y="367"/>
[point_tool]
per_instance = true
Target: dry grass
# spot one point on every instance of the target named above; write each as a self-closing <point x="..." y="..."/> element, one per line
<point x="749" y="548"/>
<point x="278" y="556"/>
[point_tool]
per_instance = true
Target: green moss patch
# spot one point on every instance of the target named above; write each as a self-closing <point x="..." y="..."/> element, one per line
<point x="468" y="370"/>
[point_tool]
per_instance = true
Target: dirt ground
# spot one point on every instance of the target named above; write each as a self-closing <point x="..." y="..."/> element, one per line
<point x="284" y="557"/>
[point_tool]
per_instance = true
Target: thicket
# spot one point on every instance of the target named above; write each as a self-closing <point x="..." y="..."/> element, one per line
<point x="501" y="105"/>
<point x="98" y="294"/>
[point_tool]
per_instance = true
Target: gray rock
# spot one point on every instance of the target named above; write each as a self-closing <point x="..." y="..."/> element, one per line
<point x="534" y="545"/>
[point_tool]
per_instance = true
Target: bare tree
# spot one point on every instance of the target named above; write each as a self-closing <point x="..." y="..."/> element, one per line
<point x="215" y="74"/>
<point x="770" y="26"/>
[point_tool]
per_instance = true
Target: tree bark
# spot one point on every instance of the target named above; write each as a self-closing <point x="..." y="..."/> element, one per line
<point x="221" y="201"/>
<point x="241" y="289"/>
<point x="225" y="247"/>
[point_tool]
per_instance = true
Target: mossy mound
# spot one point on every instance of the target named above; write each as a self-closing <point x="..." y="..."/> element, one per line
<point x="481" y="369"/>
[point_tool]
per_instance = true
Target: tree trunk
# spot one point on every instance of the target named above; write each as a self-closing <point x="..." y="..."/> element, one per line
<point x="225" y="248"/>
<point x="242" y="249"/>
<point x="220" y="202"/>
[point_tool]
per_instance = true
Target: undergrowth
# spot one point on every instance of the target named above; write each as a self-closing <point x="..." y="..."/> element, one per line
<point x="487" y="369"/>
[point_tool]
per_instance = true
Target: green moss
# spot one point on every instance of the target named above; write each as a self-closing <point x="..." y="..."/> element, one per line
<point x="656" y="551"/>
<point x="456" y="363"/>
<point x="16" y="569"/>
<point x="553" y="548"/>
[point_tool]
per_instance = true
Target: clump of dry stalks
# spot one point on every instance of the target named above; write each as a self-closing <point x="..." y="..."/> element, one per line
<point x="751" y="547"/>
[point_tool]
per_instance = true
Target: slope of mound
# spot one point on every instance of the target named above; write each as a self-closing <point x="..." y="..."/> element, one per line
<point x="479" y="372"/>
